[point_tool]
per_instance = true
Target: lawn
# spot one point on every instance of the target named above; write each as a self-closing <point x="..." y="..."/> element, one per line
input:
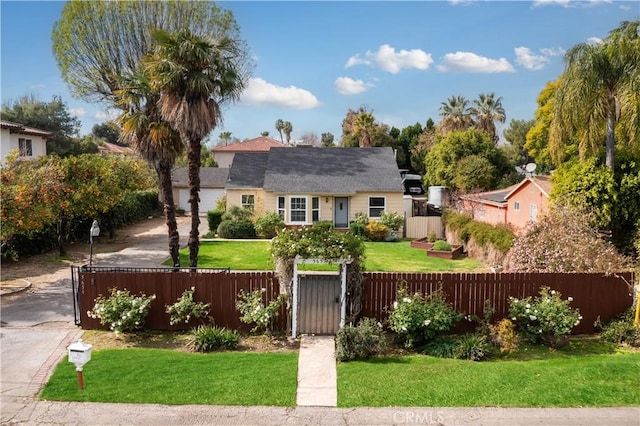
<point x="555" y="380"/>
<point x="385" y="257"/>
<point x="160" y="376"/>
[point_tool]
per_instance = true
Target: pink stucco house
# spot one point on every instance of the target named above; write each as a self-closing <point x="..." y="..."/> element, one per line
<point x="514" y="206"/>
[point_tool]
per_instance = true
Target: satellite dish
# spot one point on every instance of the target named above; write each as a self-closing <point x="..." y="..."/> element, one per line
<point x="530" y="167"/>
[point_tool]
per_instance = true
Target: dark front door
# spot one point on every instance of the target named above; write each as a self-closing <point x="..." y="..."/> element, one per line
<point x="341" y="212"/>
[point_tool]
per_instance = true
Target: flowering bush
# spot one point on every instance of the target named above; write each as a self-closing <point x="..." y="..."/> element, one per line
<point x="545" y="319"/>
<point x="121" y="311"/>
<point x="254" y="311"/>
<point x="360" y="342"/>
<point x="392" y="220"/>
<point x="417" y="318"/>
<point x="376" y="231"/>
<point x="185" y="308"/>
<point x="504" y="335"/>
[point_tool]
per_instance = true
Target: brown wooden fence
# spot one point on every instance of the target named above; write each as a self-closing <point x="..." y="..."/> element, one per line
<point x="595" y="295"/>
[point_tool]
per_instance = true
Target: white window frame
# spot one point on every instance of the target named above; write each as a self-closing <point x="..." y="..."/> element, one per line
<point x="286" y="211"/>
<point x="516" y="205"/>
<point x="282" y="210"/>
<point x="26" y="147"/>
<point x="249" y="202"/>
<point x="291" y="209"/>
<point x="382" y="209"/>
<point x="315" y="210"/>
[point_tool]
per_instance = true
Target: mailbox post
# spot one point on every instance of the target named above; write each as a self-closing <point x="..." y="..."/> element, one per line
<point x="79" y="355"/>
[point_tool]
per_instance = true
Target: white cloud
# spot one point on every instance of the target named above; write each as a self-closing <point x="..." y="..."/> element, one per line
<point x="553" y="51"/>
<point x="349" y="86"/>
<point x="529" y="60"/>
<point x="387" y="59"/>
<point x="77" y="112"/>
<point x="470" y="62"/>
<point x="563" y="3"/>
<point x="568" y="3"/>
<point x="262" y="93"/>
<point x="594" y="40"/>
<point x="110" y="114"/>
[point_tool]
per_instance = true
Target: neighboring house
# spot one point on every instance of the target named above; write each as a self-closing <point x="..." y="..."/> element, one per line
<point x="28" y="141"/>
<point x="515" y="206"/>
<point x="306" y="185"/>
<point x="212" y="182"/>
<point x="223" y="155"/>
<point x="111" y="148"/>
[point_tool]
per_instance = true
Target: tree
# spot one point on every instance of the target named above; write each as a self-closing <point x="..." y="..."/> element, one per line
<point x="225" y="137"/>
<point x="195" y="77"/>
<point x="264" y="133"/>
<point x="456" y="115"/>
<point x="598" y="89"/>
<point x="279" y="127"/>
<point x="486" y="111"/>
<point x="287" y="128"/>
<point x="362" y="129"/>
<point x="109" y="131"/>
<point x="327" y="140"/>
<point x="51" y="116"/>
<point x="311" y="139"/>
<point x="405" y="141"/>
<point x="97" y="42"/>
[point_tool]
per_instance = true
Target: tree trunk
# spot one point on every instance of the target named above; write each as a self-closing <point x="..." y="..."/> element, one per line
<point x="193" y="157"/>
<point x="610" y="138"/>
<point x="169" y="209"/>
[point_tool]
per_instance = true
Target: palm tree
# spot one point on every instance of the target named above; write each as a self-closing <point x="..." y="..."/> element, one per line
<point x="287" y="128"/>
<point x="155" y="141"/>
<point x="599" y="86"/>
<point x="225" y="137"/>
<point x="195" y="76"/>
<point x="456" y="115"/>
<point x="363" y="126"/>
<point x="486" y="112"/>
<point x="279" y="127"/>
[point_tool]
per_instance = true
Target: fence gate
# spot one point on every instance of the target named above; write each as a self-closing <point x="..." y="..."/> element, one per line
<point x="319" y="306"/>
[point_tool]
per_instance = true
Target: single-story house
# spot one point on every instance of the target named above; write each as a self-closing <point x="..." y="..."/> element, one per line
<point x="224" y="154"/>
<point x="306" y="185"/>
<point x="212" y="183"/>
<point x="30" y="142"/>
<point x="515" y="206"/>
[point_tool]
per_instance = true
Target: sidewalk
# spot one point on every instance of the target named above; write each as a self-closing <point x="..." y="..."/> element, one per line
<point x="317" y="376"/>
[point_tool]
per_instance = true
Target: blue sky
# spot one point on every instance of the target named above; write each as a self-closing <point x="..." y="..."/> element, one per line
<point x="315" y="60"/>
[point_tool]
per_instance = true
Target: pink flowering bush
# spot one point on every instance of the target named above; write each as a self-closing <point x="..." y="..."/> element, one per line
<point x="544" y="319"/>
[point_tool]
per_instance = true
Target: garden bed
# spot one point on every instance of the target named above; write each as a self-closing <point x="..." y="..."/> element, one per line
<point x="422" y="243"/>
<point x="456" y="252"/>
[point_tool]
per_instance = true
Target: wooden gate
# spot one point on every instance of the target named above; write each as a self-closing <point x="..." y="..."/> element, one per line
<point x="319" y="306"/>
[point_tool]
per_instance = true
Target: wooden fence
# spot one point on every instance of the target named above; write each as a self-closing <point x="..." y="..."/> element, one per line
<point x="595" y="295"/>
<point x="422" y="226"/>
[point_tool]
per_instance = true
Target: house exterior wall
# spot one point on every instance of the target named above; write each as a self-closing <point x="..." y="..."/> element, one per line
<point x="487" y="213"/>
<point x="223" y="159"/>
<point x="532" y="203"/>
<point x="9" y="142"/>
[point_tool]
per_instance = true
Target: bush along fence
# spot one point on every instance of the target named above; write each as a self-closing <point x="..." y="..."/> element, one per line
<point x="595" y="295"/>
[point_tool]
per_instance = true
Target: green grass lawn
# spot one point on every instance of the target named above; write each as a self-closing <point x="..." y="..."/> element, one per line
<point x="159" y="376"/>
<point x="598" y="380"/>
<point x="385" y="257"/>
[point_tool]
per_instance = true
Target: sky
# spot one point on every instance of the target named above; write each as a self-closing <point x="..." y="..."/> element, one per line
<point x="315" y="60"/>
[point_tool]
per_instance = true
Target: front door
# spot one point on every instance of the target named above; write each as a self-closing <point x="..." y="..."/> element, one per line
<point x="341" y="212"/>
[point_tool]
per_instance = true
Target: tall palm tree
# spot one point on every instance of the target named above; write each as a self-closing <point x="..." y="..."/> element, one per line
<point x="363" y="126"/>
<point x="456" y="115"/>
<point x="155" y="141"/>
<point x="287" y="128"/>
<point x="225" y="137"/>
<point x="486" y="111"/>
<point x="279" y="127"/>
<point x="599" y="86"/>
<point x="195" y="76"/>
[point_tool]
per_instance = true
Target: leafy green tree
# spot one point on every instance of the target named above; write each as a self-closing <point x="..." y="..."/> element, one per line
<point x="195" y="77"/>
<point x="109" y="131"/>
<point x="599" y="90"/>
<point x="516" y="135"/>
<point x="426" y="140"/>
<point x="456" y="115"/>
<point x="327" y="139"/>
<point x="406" y="139"/>
<point x="475" y="173"/>
<point x="51" y="116"/>
<point x="486" y="111"/>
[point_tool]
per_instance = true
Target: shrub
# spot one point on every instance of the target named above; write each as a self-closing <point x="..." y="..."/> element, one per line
<point x="268" y="225"/>
<point x="472" y="346"/>
<point x="236" y="229"/>
<point x="206" y="338"/>
<point x="545" y="319"/>
<point x="484" y="234"/>
<point x="418" y="319"/>
<point x="185" y="308"/>
<point x="255" y="311"/>
<point x="237" y="213"/>
<point x="357" y="229"/>
<point x="620" y="330"/>
<point x="214" y="217"/>
<point x="391" y="220"/>
<point x="323" y="226"/>
<point x="505" y="336"/>
<point x="121" y="311"/>
<point x="375" y="231"/>
<point x="361" y="218"/>
<point x="441" y="347"/>
<point x="441" y="245"/>
<point x="360" y="342"/>
<point x="432" y="237"/>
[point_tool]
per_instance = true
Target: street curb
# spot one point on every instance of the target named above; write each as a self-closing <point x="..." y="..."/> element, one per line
<point x="13" y="287"/>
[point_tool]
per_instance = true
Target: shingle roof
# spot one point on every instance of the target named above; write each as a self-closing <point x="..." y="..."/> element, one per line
<point x="259" y="144"/>
<point x="210" y="177"/>
<point x="320" y="171"/>
<point x="501" y="196"/>
<point x="19" y="128"/>
<point x="247" y="170"/>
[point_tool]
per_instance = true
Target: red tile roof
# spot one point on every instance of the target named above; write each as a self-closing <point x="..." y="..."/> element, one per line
<point x="259" y="144"/>
<point x="107" y="147"/>
<point x="19" y="128"/>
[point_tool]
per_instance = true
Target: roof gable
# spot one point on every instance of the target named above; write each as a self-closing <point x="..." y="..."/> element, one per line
<point x="259" y="144"/>
<point x="542" y="182"/>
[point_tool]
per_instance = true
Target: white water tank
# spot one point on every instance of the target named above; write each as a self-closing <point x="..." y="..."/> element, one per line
<point x="436" y="194"/>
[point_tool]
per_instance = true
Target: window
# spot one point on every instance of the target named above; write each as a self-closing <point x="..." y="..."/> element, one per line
<point x="25" y="147"/>
<point x="248" y="201"/>
<point x="376" y="206"/>
<point x="516" y="205"/>
<point x="282" y="210"/>
<point x="298" y="209"/>
<point x="315" y="209"/>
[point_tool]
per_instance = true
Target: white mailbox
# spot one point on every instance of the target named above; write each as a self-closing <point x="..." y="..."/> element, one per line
<point x="79" y="354"/>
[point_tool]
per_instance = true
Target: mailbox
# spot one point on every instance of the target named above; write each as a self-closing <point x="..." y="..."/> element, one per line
<point x="79" y="354"/>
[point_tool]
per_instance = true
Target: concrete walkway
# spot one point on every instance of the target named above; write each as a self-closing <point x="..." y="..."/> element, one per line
<point x="317" y="376"/>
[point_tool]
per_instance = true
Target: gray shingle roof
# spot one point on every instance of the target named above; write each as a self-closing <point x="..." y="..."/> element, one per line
<point x="321" y="171"/>
<point x="210" y="177"/>
<point x="247" y="170"/>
